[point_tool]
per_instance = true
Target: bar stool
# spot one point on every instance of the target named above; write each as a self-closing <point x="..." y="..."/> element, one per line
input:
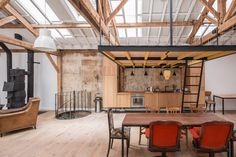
<point x="209" y="101"/>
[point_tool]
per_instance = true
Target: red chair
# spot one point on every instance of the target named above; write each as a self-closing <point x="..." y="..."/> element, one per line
<point x="164" y="137"/>
<point x="212" y="137"/>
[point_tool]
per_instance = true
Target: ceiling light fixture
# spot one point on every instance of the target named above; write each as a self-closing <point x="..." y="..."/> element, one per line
<point x="132" y="72"/>
<point x="44" y="41"/>
<point x="174" y="73"/>
<point x="167" y="74"/>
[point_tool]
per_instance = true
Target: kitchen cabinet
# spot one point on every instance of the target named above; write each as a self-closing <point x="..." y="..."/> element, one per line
<point x="123" y="100"/>
<point x="151" y="101"/>
<point x="109" y="83"/>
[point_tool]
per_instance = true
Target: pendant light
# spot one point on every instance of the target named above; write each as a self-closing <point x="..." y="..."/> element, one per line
<point x="132" y="72"/>
<point x="174" y="73"/>
<point x="167" y="74"/>
<point x="145" y="71"/>
<point x="161" y="73"/>
<point x="44" y="41"/>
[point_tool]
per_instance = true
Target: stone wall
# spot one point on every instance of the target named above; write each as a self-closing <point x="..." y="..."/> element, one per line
<point x="139" y="82"/>
<point x="82" y="70"/>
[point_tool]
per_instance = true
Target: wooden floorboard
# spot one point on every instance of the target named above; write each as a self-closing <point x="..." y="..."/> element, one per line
<point x="85" y="137"/>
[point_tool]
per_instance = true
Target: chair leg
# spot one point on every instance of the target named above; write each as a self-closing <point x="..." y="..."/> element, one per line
<point x="109" y="145"/>
<point x="163" y="154"/>
<point x="127" y="149"/>
<point x="211" y="154"/>
<point x="231" y="148"/>
<point x="140" y="135"/>
<point x="186" y="129"/>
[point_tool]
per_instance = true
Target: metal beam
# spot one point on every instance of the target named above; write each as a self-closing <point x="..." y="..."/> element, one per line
<point x="189" y="49"/>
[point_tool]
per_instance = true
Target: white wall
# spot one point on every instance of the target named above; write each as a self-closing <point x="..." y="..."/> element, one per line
<point x="45" y="78"/>
<point x="221" y="79"/>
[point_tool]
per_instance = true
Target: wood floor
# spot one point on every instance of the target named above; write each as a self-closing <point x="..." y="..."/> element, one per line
<point x="85" y="137"/>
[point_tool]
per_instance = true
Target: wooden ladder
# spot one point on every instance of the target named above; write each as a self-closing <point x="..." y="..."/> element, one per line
<point x="193" y="83"/>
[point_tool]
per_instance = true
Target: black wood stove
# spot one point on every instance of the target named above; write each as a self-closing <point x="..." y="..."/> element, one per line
<point x="16" y="88"/>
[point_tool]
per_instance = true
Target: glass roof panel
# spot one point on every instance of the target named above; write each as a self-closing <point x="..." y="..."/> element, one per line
<point x="121" y="32"/>
<point x="74" y="12"/>
<point x="32" y="10"/>
<point x="131" y="32"/>
<point x="47" y="10"/>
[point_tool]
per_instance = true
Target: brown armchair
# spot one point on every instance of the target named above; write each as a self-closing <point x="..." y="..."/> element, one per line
<point x="24" y="117"/>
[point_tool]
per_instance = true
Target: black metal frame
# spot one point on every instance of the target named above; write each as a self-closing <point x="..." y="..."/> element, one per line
<point x="190" y="49"/>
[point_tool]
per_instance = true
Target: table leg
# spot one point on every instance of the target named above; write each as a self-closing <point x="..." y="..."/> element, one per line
<point x="122" y="142"/>
<point x="231" y="148"/>
<point x="214" y="105"/>
<point x="223" y="106"/>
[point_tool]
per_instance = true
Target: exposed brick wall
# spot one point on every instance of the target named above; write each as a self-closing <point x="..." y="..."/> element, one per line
<point x="139" y="82"/>
<point x="82" y="70"/>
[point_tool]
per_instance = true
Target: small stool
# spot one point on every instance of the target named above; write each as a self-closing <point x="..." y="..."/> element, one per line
<point x="209" y="101"/>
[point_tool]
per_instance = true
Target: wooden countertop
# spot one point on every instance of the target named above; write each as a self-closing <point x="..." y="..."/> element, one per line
<point x="143" y="92"/>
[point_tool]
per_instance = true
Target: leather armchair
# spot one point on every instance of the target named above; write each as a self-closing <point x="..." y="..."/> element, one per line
<point x="24" y="117"/>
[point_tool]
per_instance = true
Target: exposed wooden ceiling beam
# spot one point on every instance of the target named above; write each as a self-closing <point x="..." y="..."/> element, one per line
<point x="210" y="8"/>
<point x="146" y="55"/>
<point x="86" y="9"/>
<point x="213" y="21"/>
<point x="52" y="62"/>
<point x="118" y="8"/>
<point x="221" y="9"/>
<point x="10" y="9"/>
<point x="20" y="43"/>
<point x="184" y="55"/>
<point x="114" y="25"/>
<point x="112" y="57"/>
<point x="199" y="22"/>
<point x="221" y="54"/>
<point x="7" y="20"/>
<point x="230" y="11"/>
<point x="129" y="57"/>
<point x="202" y="55"/>
<point x="3" y="3"/>
<point x="221" y="29"/>
<point x="118" y="25"/>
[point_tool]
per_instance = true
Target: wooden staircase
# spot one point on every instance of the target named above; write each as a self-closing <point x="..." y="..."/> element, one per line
<point x="192" y="85"/>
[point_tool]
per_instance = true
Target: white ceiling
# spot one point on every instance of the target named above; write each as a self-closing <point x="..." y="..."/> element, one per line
<point x="60" y="11"/>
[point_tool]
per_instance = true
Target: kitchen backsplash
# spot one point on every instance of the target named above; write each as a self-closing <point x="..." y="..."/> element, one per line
<point x="140" y="82"/>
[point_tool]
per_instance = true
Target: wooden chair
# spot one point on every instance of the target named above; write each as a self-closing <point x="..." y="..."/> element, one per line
<point x="177" y="110"/>
<point x="164" y="137"/>
<point x="142" y="130"/>
<point x="209" y="101"/>
<point x="213" y="137"/>
<point x="200" y="109"/>
<point x="116" y="133"/>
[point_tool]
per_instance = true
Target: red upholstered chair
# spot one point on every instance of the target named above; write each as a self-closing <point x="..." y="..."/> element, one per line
<point x="164" y="136"/>
<point x="212" y="137"/>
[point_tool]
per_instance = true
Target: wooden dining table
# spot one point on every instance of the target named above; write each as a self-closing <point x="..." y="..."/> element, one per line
<point x="187" y="120"/>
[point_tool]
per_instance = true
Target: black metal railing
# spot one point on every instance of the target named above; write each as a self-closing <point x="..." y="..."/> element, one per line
<point x="75" y="104"/>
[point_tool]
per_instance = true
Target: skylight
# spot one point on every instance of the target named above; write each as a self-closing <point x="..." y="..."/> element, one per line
<point x="121" y="32"/>
<point x="36" y="8"/>
<point x="74" y="12"/>
<point x="130" y="11"/>
<point x="32" y="10"/>
<point x="131" y="32"/>
<point x="114" y="5"/>
<point x="48" y="12"/>
<point x="65" y="33"/>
